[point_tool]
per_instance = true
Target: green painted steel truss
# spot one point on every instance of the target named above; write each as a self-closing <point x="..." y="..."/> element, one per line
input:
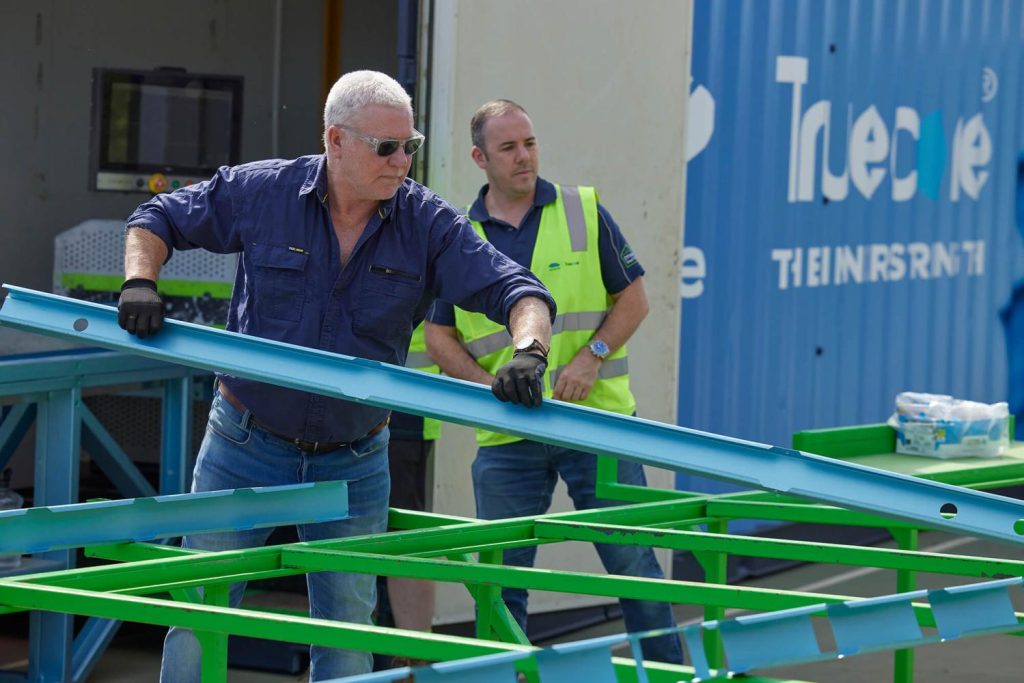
<point x="156" y="584"/>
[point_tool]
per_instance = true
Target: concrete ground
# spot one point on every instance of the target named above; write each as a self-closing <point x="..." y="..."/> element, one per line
<point x="992" y="659"/>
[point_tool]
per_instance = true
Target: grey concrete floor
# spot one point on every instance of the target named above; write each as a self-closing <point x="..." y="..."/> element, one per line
<point x="995" y="659"/>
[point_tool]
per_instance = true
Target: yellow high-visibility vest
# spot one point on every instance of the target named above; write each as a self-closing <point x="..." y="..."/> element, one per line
<point x="567" y="260"/>
<point x="419" y="360"/>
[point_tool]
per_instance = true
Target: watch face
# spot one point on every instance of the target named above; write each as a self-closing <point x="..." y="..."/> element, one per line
<point x="524" y="343"/>
<point x="599" y="348"/>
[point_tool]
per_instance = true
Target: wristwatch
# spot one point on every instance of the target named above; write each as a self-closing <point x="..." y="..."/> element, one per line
<point x="599" y="348"/>
<point x="530" y="345"/>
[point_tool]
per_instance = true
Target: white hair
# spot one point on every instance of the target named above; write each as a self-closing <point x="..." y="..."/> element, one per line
<point x="358" y="89"/>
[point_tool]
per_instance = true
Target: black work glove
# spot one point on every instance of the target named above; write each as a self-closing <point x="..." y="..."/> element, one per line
<point x="140" y="310"/>
<point x="521" y="380"/>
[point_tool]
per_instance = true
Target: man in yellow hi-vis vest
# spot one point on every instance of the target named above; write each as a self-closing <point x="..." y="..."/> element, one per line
<point x="574" y="246"/>
<point x="409" y="603"/>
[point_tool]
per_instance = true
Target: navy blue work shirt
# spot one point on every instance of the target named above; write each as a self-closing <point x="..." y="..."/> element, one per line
<point x="619" y="266"/>
<point x="290" y="285"/>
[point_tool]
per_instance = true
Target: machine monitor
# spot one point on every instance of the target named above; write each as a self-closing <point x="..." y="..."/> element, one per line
<point x="155" y="131"/>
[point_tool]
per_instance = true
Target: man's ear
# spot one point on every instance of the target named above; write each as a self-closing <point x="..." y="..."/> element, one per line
<point x="479" y="156"/>
<point x="334" y="136"/>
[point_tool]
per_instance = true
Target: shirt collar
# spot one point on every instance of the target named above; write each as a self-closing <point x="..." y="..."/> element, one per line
<point x="544" y="194"/>
<point x="316" y="179"/>
<point x="387" y="207"/>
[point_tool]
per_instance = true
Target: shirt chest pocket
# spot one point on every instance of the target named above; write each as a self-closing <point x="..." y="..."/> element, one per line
<point x="279" y="281"/>
<point x="386" y="304"/>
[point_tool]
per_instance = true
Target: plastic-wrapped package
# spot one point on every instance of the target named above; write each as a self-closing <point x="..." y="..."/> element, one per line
<point x="941" y="426"/>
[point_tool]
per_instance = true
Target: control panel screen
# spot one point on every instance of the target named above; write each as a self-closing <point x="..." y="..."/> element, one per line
<point x="165" y="124"/>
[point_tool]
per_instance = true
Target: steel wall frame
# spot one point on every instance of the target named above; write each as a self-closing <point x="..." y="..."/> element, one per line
<point x="47" y="388"/>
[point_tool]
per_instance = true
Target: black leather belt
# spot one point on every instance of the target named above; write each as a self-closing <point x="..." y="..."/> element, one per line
<point x="303" y="445"/>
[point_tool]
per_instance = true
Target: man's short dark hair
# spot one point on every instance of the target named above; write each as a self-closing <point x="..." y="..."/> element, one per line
<point x="487" y="111"/>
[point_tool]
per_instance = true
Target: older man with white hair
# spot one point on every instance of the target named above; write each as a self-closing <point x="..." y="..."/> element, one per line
<point x="341" y="252"/>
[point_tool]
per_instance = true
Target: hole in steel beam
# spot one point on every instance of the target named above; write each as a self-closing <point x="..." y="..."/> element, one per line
<point x="948" y="510"/>
<point x="1018" y="526"/>
<point x="81" y="324"/>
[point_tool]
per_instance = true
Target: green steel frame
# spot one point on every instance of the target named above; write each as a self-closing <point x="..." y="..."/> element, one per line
<point x="441" y="548"/>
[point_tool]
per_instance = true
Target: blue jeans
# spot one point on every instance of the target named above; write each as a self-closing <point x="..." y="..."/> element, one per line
<point x="235" y="454"/>
<point x="517" y="479"/>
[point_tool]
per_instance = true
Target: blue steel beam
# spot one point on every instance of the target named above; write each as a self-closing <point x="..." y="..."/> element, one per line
<point x="141" y="519"/>
<point x="748" y="463"/>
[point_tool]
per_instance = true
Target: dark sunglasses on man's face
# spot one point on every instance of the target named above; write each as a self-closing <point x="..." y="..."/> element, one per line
<point x="385" y="148"/>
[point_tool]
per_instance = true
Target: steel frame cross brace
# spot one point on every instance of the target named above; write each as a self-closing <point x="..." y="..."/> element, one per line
<point x="283" y="627"/>
<point x="660" y="445"/>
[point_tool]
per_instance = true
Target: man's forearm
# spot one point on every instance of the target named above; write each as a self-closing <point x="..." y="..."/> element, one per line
<point x="144" y="254"/>
<point x="627" y="312"/>
<point x="530" y="317"/>
<point x="444" y="348"/>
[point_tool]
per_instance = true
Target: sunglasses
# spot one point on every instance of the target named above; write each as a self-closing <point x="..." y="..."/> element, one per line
<point x="385" y="148"/>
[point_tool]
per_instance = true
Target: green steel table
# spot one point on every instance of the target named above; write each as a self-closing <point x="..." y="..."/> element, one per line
<point x="875" y="446"/>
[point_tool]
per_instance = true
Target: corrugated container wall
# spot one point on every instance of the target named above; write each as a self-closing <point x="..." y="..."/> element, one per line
<point x="852" y="228"/>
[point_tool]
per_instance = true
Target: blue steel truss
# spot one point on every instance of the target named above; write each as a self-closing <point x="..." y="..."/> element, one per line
<point x="47" y="390"/>
<point x="744" y="462"/>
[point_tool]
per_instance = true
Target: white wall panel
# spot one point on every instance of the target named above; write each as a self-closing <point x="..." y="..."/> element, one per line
<point x="606" y="85"/>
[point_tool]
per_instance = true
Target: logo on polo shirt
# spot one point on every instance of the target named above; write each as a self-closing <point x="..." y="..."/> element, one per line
<point x="627" y="257"/>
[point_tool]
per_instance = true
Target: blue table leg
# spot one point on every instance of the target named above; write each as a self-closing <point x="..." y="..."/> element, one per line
<point x="56" y="483"/>
<point x="176" y="439"/>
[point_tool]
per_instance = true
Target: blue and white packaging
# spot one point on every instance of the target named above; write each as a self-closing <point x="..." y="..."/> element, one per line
<point x="940" y="426"/>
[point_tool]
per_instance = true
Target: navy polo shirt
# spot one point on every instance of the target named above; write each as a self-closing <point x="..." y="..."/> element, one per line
<point x="290" y="285"/>
<point x="619" y="266"/>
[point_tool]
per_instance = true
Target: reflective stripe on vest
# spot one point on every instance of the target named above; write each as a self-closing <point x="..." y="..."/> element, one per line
<point x="419" y="360"/>
<point x="567" y="260"/>
<point x="574" y="218"/>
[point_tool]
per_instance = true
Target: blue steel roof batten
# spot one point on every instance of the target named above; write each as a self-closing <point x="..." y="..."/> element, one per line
<point x="651" y="443"/>
<point x="41" y="529"/>
<point x="767" y="640"/>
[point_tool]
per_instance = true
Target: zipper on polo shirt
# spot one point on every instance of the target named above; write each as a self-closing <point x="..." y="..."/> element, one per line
<point x="386" y="270"/>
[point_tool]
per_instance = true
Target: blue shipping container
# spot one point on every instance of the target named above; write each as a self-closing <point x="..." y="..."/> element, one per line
<point x="853" y="222"/>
